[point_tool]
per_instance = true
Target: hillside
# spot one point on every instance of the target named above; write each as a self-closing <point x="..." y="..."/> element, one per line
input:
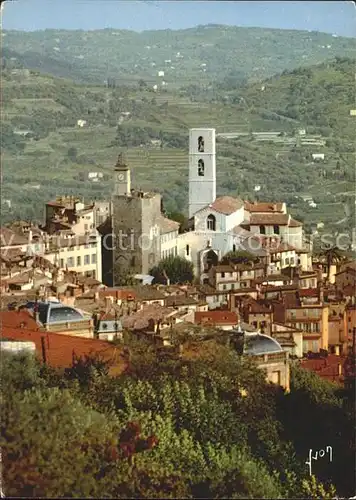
<point x="199" y="54"/>
<point x="46" y="152"/>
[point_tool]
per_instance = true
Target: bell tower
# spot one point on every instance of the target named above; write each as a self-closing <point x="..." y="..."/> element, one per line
<point x="122" y="178"/>
<point x="202" y="168"/>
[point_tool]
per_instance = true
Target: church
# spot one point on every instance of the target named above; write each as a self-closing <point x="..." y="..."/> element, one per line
<point x="217" y="225"/>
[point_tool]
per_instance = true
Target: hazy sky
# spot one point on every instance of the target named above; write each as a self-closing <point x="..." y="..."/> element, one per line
<point x="337" y="17"/>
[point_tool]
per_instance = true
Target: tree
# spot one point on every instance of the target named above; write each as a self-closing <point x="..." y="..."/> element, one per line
<point x="238" y="257"/>
<point x="177" y="269"/>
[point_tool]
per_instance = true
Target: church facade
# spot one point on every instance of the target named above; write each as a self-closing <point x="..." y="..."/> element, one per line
<point x="217" y="225"/>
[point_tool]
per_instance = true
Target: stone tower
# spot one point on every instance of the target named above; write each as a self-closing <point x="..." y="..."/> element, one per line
<point x="122" y="180"/>
<point x="202" y="168"/>
<point x="136" y="223"/>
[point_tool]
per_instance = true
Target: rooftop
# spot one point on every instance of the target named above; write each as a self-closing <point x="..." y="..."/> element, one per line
<point x="263" y="207"/>
<point x="226" y="205"/>
<point x="168" y="225"/>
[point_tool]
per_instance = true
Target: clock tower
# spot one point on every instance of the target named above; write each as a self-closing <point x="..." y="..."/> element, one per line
<point x="122" y="178"/>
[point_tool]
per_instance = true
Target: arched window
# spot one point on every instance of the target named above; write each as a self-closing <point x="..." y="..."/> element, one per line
<point x="201" y="168"/>
<point x="211" y="222"/>
<point x="200" y="144"/>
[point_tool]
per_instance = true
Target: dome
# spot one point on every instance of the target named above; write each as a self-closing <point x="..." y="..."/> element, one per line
<point x="55" y="312"/>
<point x="257" y="344"/>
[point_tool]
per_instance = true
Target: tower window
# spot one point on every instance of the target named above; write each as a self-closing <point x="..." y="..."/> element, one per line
<point x="262" y="230"/>
<point x="133" y="261"/>
<point x="211" y="222"/>
<point x="234" y="247"/>
<point x="201" y="168"/>
<point x="187" y="249"/>
<point x="200" y="144"/>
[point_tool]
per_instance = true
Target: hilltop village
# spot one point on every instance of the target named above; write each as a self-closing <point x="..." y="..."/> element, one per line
<point x="81" y="281"/>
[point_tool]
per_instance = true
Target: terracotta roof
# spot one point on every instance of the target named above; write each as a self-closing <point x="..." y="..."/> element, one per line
<point x="141" y="319"/>
<point x="349" y="270"/>
<point x="168" y="225"/>
<point x="13" y="319"/>
<point x="10" y="238"/>
<point x="257" y="307"/>
<point x="19" y="279"/>
<point x="283" y="247"/>
<point x="117" y="293"/>
<point x="60" y="348"/>
<point x="216" y="317"/>
<point x="277" y="219"/>
<point x="55" y="204"/>
<point x="226" y="205"/>
<point x="263" y="207"/>
<point x="180" y="300"/>
<point x="327" y="368"/>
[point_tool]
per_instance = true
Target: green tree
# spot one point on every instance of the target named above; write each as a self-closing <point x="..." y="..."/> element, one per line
<point x="175" y="268"/>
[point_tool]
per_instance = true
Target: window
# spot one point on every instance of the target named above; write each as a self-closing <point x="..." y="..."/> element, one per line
<point x="201" y="168"/>
<point x="61" y="263"/>
<point x="79" y="261"/>
<point x="200" y="144"/>
<point x="234" y="247"/>
<point x="292" y="261"/>
<point x="224" y="287"/>
<point x="315" y="344"/>
<point x="93" y="258"/>
<point x="223" y="275"/>
<point x="70" y="261"/>
<point x="85" y="227"/>
<point x="232" y="286"/>
<point x="287" y="261"/>
<point x="211" y="222"/>
<point x="86" y="260"/>
<point x="133" y="261"/>
<point x="187" y="250"/>
<point x="262" y="230"/>
<point x="276" y="229"/>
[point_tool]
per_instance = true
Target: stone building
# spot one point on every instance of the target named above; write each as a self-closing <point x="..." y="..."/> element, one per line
<point x="136" y="227"/>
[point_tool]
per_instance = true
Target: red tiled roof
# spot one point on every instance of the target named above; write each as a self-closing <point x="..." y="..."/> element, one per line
<point x="13" y="319"/>
<point x="60" y="348"/>
<point x="277" y="219"/>
<point x="263" y="207"/>
<point x="226" y="205"/>
<point x="216" y="317"/>
<point x="117" y="293"/>
<point x="327" y="368"/>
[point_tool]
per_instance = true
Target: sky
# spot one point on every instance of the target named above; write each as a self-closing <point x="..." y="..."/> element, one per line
<point x="337" y="17"/>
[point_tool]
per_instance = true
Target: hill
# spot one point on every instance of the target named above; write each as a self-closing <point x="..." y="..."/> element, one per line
<point x="199" y="54"/>
<point x="46" y="151"/>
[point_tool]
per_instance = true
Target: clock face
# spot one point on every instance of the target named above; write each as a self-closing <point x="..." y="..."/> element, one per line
<point x="121" y="177"/>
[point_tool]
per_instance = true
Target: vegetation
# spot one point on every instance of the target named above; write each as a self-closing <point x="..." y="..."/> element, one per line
<point x="169" y="429"/>
<point x="122" y="56"/>
<point x="173" y="268"/>
<point x="41" y="132"/>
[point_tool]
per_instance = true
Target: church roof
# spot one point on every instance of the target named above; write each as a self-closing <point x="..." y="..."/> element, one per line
<point x="226" y="205"/>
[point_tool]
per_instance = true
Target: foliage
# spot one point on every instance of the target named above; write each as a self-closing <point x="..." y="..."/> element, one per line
<point x="164" y="429"/>
<point x="238" y="257"/>
<point x="176" y="268"/>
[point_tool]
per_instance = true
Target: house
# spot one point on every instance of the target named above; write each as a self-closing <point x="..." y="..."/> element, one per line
<point x="279" y="224"/>
<point x="107" y="326"/>
<point x="290" y="339"/>
<point x="318" y="156"/>
<point x="60" y="351"/>
<point x="225" y="320"/>
<point x="169" y="234"/>
<point x="346" y="277"/>
<point x="257" y="313"/>
<point x="81" y="123"/>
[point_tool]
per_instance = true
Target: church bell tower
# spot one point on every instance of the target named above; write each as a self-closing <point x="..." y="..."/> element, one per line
<point x="202" y="169"/>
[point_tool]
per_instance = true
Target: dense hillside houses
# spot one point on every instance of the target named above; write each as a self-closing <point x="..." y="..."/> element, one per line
<point x="79" y="274"/>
